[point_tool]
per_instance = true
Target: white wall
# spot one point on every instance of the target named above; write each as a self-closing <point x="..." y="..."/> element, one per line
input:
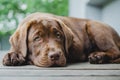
<point x="111" y="14"/>
<point x="77" y="8"/>
<point x="93" y="12"/>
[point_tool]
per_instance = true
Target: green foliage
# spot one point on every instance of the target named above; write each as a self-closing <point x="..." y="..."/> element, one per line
<point x="11" y="10"/>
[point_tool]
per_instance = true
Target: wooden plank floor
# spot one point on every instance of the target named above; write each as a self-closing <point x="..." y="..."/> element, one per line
<point x="76" y="71"/>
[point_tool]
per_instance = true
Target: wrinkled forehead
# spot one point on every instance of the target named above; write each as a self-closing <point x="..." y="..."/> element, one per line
<point x="44" y="26"/>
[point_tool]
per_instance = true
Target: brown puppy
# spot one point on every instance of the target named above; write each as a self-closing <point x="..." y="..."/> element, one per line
<point x="49" y="40"/>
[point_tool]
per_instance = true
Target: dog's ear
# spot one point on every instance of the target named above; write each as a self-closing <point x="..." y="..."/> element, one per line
<point x="18" y="40"/>
<point x="68" y="35"/>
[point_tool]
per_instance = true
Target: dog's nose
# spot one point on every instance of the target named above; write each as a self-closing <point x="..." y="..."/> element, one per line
<point x="54" y="56"/>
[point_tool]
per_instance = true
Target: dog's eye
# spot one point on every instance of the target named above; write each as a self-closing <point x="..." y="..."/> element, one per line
<point x="58" y="35"/>
<point x="37" y="38"/>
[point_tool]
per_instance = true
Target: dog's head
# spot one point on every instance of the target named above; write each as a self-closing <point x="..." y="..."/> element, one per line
<point x="46" y="41"/>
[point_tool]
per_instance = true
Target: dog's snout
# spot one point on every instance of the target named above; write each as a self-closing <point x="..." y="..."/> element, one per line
<point x="54" y="56"/>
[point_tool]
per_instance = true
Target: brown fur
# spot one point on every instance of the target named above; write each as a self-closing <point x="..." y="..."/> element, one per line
<point x="41" y="35"/>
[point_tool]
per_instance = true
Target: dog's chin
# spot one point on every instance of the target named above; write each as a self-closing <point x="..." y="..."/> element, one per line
<point x="55" y="64"/>
<point x="58" y="64"/>
<point x="48" y="63"/>
<point x="51" y="64"/>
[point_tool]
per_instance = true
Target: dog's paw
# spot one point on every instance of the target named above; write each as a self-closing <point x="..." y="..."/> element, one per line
<point x="97" y="58"/>
<point x="13" y="59"/>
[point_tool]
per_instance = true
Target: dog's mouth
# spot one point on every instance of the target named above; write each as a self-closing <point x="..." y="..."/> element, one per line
<point x="50" y="62"/>
<point x="57" y="63"/>
<point x="56" y="60"/>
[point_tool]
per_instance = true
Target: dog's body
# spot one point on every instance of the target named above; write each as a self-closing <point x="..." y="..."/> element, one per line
<point x="62" y="39"/>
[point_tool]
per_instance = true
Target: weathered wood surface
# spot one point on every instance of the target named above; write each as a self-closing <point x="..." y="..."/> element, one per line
<point x="76" y="71"/>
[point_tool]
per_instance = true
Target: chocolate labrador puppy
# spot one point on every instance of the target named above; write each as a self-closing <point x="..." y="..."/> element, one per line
<point x="47" y="40"/>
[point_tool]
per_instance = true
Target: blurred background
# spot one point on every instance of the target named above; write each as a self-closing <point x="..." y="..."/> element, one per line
<point x="13" y="11"/>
